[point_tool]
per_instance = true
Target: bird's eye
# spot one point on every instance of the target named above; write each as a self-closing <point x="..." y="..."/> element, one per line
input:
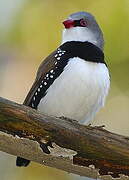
<point x="83" y="22"/>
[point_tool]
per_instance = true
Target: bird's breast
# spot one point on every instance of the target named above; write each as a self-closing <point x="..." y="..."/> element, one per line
<point x="78" y="92"/>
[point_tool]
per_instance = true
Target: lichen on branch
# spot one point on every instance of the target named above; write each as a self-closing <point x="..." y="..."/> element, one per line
<point x="62" y="143"/>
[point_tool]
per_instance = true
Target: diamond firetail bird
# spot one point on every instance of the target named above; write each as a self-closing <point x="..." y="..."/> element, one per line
<point x="73" y="81"/>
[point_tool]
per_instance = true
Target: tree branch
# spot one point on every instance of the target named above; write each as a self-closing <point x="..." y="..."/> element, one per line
<point x="62" y="143"/>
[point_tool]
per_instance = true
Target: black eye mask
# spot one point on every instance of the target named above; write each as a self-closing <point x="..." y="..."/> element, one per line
<point x="80" y="23"/>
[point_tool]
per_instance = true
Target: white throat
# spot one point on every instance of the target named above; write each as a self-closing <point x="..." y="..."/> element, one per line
<point x="81" y="34"/>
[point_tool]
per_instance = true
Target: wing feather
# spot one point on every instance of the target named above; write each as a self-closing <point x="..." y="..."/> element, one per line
<point x="45" y="66"/>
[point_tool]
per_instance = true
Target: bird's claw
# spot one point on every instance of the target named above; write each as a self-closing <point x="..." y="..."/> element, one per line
<point x="100" y="127"/>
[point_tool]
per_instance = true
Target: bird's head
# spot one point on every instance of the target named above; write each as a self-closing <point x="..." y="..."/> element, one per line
<point x="82" y="26"/>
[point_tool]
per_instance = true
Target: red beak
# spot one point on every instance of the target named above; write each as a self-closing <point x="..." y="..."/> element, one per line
<point x="69" y="23"/>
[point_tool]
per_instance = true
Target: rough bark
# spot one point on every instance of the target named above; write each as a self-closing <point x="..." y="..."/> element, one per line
<point x="62" y="143"/>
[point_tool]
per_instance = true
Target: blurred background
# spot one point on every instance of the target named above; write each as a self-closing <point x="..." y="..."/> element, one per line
<point x="29" y="31"/>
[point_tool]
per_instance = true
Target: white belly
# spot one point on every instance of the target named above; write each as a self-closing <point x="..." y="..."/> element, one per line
<point x="79" y="92"/>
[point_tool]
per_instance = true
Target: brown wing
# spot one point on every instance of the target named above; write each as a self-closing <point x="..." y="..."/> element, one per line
<point x="45" y="66"/>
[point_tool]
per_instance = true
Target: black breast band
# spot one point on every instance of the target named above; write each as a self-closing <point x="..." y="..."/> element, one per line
<point x="84" y="50"/>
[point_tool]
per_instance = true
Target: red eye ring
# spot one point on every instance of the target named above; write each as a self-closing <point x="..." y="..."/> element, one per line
<point x="83" y="22"/>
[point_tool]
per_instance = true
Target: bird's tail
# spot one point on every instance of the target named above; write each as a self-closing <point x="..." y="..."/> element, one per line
<point x="21" y="162"/>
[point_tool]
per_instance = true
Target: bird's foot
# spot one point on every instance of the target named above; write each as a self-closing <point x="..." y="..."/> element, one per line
<point x="100" y="127"/>
<point x="64" y="118"/>
<point x="68" y="119"/>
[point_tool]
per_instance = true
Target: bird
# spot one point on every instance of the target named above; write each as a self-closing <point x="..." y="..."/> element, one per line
<point x="73" y="81"/>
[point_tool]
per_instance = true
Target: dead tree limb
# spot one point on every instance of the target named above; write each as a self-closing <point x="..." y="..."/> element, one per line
<point x="62" y="143"/>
